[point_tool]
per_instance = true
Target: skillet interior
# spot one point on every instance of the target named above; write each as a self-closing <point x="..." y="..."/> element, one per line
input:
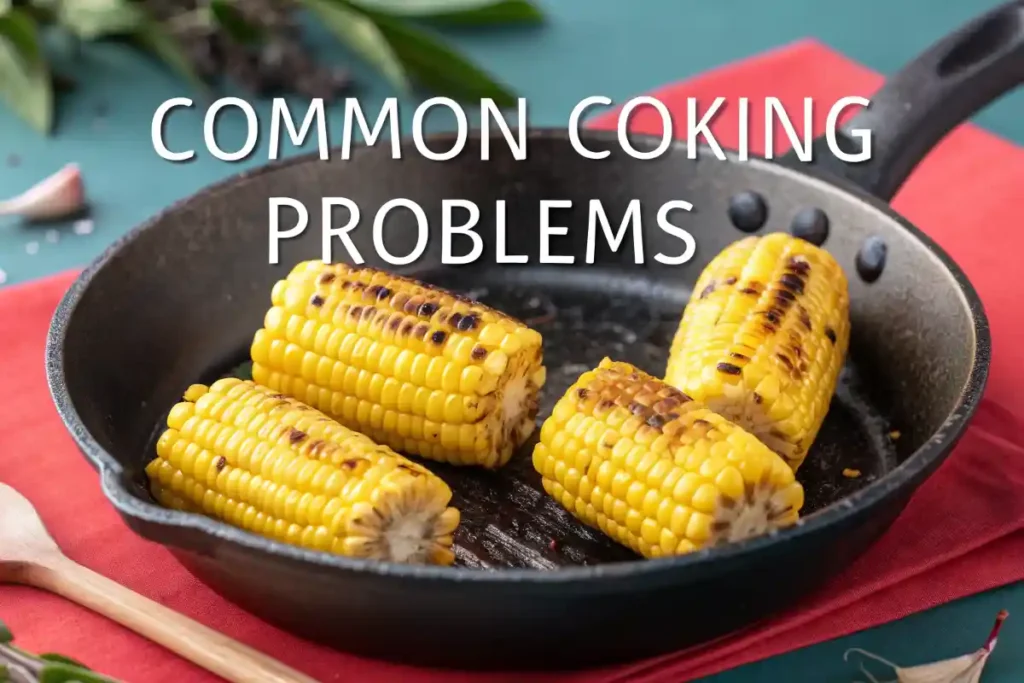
<point x="179" y="298"/>
<point x="508" y="520"/>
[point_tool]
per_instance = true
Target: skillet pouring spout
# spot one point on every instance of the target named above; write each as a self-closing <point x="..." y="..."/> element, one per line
<point x="532" y="587"/>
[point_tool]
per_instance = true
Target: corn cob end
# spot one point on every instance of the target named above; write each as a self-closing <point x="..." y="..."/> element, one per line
<point x="238" y="452"/>
<point x="657" y="471"/>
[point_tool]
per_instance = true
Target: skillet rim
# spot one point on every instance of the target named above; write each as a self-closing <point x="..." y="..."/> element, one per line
<point x="930" y="454"/>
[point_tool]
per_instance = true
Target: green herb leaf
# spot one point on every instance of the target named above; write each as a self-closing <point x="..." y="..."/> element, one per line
<point x="65" y="673"/>
<point x="92" y="19"/>
<point x="461" y="12"/>
<point x="242" y="370"/>
<point x="438" y="67"/>
<point x="361" y="34"/>
<point x="61" y="659"/>
<point x="155" y="39"/>
<point x="235" y="24"/>
<point x="5" y="634"/>
<point x="24" y="76"/>
<point x="5" y="7"/>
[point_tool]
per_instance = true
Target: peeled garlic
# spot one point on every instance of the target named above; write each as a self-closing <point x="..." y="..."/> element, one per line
<point x="963" y="669"/>
<point x="59" y="196"/>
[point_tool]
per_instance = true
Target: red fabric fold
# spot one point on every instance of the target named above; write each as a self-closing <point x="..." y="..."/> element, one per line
<point x="962" y="533"/>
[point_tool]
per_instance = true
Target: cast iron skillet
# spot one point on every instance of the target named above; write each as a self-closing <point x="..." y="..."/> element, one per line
<point x="178" y="299"/>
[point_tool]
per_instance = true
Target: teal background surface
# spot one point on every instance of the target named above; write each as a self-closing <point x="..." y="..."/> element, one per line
<point x="589" y="47"/>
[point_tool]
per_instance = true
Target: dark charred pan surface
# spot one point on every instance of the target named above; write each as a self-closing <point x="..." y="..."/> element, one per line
<point x="508" y="520"/>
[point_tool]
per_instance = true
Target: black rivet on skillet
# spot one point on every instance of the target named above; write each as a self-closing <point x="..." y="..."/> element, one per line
<point x="871" y="259"/>
<point x="811" y="225"/>
<point x="748" y="211"/>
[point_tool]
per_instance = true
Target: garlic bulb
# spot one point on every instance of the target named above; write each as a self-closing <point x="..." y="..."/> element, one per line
<point x="964" y="669"/>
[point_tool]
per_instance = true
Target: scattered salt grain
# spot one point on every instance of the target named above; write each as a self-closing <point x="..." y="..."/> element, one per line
<point x="83" y="227"/>
<point x="52" y="236"/>
<point x="32" y="248"/>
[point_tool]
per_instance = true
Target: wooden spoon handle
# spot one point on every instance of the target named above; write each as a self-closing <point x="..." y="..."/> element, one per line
<point x="199" y="644"/>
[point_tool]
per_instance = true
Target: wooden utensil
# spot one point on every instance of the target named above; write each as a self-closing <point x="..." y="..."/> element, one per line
<point x="29" y="556"/>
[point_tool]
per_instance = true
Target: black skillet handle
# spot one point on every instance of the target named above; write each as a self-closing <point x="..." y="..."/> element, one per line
<point x="943" y="87"/>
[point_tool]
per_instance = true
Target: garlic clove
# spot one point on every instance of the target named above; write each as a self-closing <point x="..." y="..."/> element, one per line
<point x="58" y="196"/>
<point x="963" y="669"/>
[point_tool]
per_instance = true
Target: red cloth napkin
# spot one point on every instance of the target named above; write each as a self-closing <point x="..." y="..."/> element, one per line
<point x="962" y="533"/>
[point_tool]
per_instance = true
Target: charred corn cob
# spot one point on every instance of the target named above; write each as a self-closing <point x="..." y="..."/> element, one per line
<point x="411" y="366"/>
<point x="657" y="471"/>
<point x="240" y="453"/>
<point x="764" y="338"/>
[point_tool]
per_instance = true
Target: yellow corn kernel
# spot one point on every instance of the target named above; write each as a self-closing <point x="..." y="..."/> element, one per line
<point x="657" y="471"/>
<point x="245" y="455"/>
<point x="764" y="338"/>
<point x="412" y="366"/>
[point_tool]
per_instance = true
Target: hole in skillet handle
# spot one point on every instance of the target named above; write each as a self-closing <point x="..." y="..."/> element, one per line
<point x="992" y="36"/>
<point x="953" y="79"/>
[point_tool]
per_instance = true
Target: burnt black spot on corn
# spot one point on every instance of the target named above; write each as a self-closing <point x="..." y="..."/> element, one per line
<point x="729" y="368"/>
<point x="385" y="366"/>
<point x="296" y="435"/>
<point x="707" y="290"/>
<point x="807" y="290"/>
<point x="660" y="483"/>
<point x="316" y="300"/>
<point x="730" y="280"/>
<point x="831" y="334"/>
<point x="798" y="264"/>
<point x="792" y="282"/>
<point x="225" y="454"/>
<point x="752" y="291"/>
<point x="656" y="421"/>
<point x="326" y="278"/>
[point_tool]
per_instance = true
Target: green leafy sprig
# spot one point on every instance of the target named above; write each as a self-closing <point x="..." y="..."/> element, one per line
<point x="19" y="666"/>
<point x="388" y="34"/>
